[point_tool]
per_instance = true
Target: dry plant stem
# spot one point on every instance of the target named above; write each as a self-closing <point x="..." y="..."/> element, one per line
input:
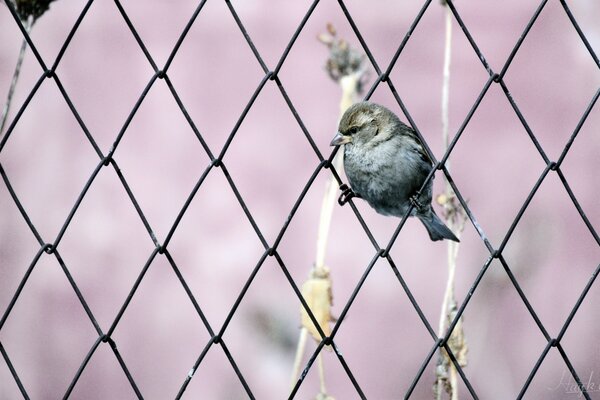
<point x="326" y="214"/>
<point x="299" y="353"/>
<point x="453" y="382"/>
<point x="453" y="247"/>
<point x="322" y="374"/>
<point x="349" y="86"/>
<point x="445" y="118"/>
<point x="446" y="85"/>
<point x="15" y="77"/>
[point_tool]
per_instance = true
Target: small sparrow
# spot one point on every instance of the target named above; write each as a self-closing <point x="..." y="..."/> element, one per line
<point x="386" y="165"/>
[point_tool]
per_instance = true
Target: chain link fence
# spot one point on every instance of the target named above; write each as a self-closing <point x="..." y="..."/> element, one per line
<point x="218" y="164"/>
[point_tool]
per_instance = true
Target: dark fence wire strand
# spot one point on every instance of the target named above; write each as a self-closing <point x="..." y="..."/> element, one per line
<point x="13" y="372"/>
<point x="161" y="250"/>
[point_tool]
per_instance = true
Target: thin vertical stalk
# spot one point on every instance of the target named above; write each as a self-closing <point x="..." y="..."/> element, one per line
<point x="455" y="221"/>
<point x="349" y="86"/>
<point x="301" y="346"/>
<point x="15" y="77"/>
<point x="323" y="388"/>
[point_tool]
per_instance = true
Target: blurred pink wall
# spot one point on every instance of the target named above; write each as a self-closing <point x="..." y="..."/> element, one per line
<point x="48" y="160"/>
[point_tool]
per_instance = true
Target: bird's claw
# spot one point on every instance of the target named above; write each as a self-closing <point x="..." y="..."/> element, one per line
<point x="415" y="202"/>
<point x="347" y="194"/>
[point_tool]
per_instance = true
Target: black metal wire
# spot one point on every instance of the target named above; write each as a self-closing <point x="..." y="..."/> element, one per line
<point x="13" y="372"/>
<point x="381" y="254"/>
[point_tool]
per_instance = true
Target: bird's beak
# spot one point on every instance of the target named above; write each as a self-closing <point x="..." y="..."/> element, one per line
<point x="340" y="139"/>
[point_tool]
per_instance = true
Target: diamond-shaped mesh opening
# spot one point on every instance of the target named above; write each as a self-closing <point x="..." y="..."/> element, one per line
<point x="165" y="151"/>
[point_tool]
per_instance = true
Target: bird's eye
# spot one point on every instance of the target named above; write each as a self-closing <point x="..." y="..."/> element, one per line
<point x="353" y="130"/>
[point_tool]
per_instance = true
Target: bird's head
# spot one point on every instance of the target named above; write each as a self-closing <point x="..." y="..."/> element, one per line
<point x="364" y="123"/>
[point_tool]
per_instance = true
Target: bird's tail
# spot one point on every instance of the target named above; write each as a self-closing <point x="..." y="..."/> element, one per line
<point x="435" y="227"/>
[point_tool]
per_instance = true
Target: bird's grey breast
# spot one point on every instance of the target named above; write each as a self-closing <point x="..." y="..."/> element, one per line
<point x="384" y="175"/>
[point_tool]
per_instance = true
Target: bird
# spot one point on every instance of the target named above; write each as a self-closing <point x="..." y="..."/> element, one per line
<point x="386" y="165"/>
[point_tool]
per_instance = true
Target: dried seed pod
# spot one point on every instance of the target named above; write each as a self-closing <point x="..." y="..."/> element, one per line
<point x="442" y="199"/>
<point x="331" y="29"/>
<point x="35" y="8"/>
<point x="325" y="39"/>
<point x="343" y="59"/>
<point x="317" y="293"/>
<point x="458" y="346"/>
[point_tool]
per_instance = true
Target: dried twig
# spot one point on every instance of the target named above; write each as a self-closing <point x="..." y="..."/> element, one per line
<point x="299" y="354"/>
<point x="446" y="378"/>
<point x="29" y="11"/>
<point x="15" y="78"/>
<point x="345" y="65"/>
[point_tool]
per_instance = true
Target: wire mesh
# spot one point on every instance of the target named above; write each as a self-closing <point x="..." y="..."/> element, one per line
<point x="270" y="249"/>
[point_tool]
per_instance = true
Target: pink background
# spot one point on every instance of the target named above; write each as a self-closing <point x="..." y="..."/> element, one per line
<point x="48" y="160"/>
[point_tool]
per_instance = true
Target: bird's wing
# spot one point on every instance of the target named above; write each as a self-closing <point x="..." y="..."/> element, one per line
<point x="410" y="132"/>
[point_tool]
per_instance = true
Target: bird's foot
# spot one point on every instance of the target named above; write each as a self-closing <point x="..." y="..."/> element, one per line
<point x="415" y="202"/>
<point x="347" y="194"/>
